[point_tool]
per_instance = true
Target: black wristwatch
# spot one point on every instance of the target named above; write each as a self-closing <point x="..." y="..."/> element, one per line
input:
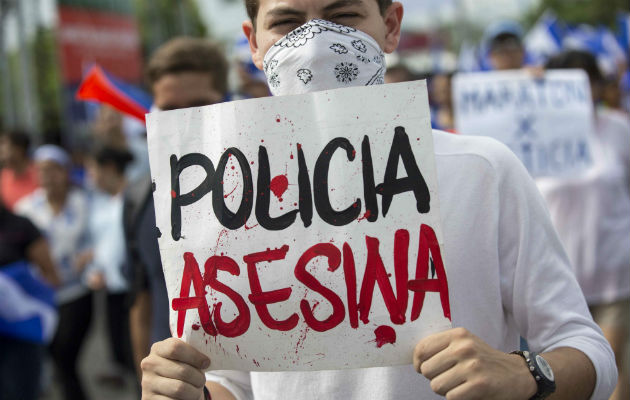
<point x="206" y="393"/>
<point x="542" y="373"/>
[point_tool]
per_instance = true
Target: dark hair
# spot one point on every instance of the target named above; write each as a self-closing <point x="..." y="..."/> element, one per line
<point x="18" y="139"/>
<point x="187" y="54"/>
<point x="104" y="155"/>
<point x="578" y="59"/>
<point x="505" y="39"/>
<point x="252" y="7"/>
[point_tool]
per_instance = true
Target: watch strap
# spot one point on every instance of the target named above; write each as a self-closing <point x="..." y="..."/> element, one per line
<point x="545" y="386"/>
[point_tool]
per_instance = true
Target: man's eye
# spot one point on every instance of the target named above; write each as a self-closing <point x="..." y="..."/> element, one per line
<point x="283" y="22"/>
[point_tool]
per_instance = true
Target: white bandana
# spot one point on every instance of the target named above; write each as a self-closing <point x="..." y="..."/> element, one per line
<point x="321" y="55"/>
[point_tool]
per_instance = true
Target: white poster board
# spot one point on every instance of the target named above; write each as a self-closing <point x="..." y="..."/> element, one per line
<point x="546" y="121"/>
<point x="266" y="210"/>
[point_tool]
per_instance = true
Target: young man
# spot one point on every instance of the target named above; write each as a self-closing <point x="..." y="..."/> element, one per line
<point x="508" y="275"/>
<point x="504" y="41"/>
<point x="184" y="72"/>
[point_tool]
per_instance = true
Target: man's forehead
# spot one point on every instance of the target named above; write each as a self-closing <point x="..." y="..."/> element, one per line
<point x="324" y="5"/>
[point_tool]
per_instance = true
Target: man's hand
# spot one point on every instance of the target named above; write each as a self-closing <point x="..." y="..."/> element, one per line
<point x="173" y="370"/>
<point x="461" y="366"/>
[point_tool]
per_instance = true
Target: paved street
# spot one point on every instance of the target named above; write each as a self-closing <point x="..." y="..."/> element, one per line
<point x="94" y="362"/>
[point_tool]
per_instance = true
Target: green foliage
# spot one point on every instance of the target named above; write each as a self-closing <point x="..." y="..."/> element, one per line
<point x="161" y="20"/>
<point x="47" y="76"/>
<point x="593" y="12"/>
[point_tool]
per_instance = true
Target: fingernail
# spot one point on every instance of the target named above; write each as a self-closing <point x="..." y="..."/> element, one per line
<point x="205" y="364"/>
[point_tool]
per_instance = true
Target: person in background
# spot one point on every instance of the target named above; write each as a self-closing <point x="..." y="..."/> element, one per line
<point x="252" y="82"/>
<point x="399" y="73"/>
<point x="119" y="131"/>
<point x="503" y="42"/>
<point x="18" y="176"/>
<point x="60" y="211"/>
<point x="106" y="170"/>
<point x="441" y="102"/>
<point x="184" y="72"/>
<point x="22" y="357"/>
<point x="591" y="213"/>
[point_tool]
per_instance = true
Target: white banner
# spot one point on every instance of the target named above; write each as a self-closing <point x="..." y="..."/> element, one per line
<point x="545" y="121"/>
<point x="301" y="232"/>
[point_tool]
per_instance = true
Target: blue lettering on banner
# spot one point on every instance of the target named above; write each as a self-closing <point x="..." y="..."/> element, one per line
<point x="498" y="96"/>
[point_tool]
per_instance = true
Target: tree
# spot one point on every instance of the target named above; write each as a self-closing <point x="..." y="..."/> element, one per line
<point x="161" y="20"/>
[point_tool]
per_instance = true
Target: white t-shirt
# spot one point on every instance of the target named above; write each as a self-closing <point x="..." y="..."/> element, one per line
<point x="592" y="212"/>
<point x="108" y="237"/>
<point x="66" y="233"/>
<point x="507" y="273"/>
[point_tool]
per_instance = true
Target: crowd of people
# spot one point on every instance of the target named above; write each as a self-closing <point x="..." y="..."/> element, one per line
<point x="89" y="227"/>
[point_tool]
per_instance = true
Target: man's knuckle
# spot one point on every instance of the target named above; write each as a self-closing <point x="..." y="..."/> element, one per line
<point x="179" y="389"/>
<point x="475" y="365"/>
<point x="437" y="386"/>
<point x="146" y="364"/>
<point x="460" y="332"/>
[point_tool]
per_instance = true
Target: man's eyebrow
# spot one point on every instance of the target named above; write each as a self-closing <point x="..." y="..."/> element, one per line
<point x="283" y="11"/>
<point x="342" y="3"/>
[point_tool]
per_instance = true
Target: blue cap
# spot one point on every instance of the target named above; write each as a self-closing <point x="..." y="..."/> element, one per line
<point x="502" y="28"/>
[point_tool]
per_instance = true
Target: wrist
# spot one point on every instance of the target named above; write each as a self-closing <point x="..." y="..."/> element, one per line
<point x="527" y="383"/>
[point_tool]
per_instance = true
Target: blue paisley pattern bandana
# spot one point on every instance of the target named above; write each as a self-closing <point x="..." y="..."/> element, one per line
<point x="321" y="55"/>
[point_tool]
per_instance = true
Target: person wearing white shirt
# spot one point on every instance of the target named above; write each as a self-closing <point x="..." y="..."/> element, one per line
<point x="508" y="274"/>
<point x="60" y="211"/>
<point x="106" y="170"/>
<point x="591" y="213"/>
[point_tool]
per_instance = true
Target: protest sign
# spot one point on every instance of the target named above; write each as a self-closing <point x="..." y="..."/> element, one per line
<point x="546" y="121"/>
<point x="301" y="232"/>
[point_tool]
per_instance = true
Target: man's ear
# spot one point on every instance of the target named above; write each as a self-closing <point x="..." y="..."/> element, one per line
<point x="250" y="33"/>
<point x="393" y="18"/>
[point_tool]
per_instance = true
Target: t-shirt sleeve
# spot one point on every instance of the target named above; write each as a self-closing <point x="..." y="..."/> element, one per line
<point x="538" y="286"/>
<point x="237" y="382"/>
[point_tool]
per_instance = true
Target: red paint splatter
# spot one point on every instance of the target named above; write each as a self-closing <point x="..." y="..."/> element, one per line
<point x="256" y="363"/>
<point x="223" y="232"/>
<point x="365" y="216"/>
<point x="291" y="156"/>
<point x="173" y="194"/>
<point x="299" y="146"/>
<point x="250" y="227"/>
<point x="277" y="118"/>
<point x="195" y="327"/>
<point x="279" y="185"/>
<point x="238" y="351"/>
<point x="384" y="335"/>
<point x="225" y="196"/>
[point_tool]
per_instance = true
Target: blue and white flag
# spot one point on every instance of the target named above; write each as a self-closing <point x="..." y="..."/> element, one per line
<point x="468" y="59"/>
<point x="545" y="38"/>
<point x="600" y="42"/>
<point x="27" y="305"/>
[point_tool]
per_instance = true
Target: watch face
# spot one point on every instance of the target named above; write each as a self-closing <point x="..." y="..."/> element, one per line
<point x="544" y="368"/>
